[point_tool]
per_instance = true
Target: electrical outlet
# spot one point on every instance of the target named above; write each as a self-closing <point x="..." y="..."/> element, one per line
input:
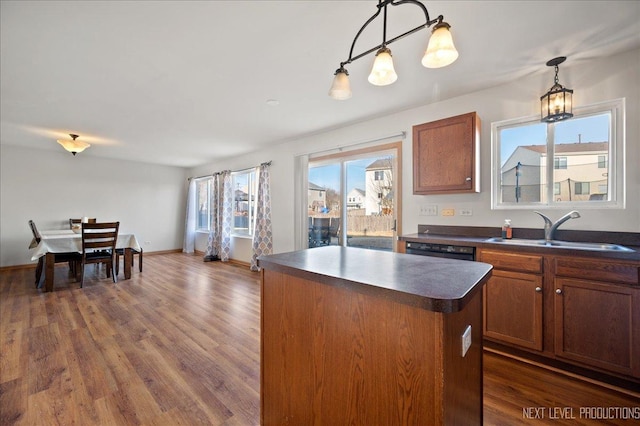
<point x="466" y="212"/>
<point x="428" y="210"/>
<point x="448" y="212"/>
<point x="466" y="340"/>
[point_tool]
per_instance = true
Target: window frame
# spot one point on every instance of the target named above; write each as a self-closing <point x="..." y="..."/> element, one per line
<point x="252" y="185"/>
<point x="209" y="180"/>
<point x="616" y="159"/>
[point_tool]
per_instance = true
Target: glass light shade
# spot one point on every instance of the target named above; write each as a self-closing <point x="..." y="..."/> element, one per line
<point x="440" y="51"/>
<point x="73" y="146"/>
<point x="556" y="104"/>
<point x="382" y="73"/>
<point x="340" y="88"/>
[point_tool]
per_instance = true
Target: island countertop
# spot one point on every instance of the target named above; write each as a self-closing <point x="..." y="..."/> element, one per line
<point x="430" y="283"/>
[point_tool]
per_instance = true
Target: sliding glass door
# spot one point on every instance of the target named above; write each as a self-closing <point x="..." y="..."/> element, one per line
<point x="353" y="198"/>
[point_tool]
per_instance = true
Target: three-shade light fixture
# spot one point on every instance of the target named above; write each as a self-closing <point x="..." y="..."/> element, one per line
<point x="440" y="50"/>
<point x="73" y="146"/>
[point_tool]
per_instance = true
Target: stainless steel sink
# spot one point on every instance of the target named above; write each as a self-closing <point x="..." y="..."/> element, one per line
<point x="560" y="244"/>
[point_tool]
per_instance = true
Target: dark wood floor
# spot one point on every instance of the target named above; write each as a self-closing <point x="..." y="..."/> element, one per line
<point x="178" y="344"/>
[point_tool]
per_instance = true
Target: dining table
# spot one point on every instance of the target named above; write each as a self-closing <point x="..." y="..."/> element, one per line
<point x="68" y="241"/>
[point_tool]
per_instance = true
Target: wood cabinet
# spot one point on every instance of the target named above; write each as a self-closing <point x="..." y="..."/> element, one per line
<point x="578" y="310"/>
<point x="513" y="300"/>
<point x="363" y="337"/>
<point x="597" y="314"/>
<point x="445" y="155"/>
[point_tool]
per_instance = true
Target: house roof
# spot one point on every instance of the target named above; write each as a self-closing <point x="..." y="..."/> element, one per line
<point x="566" y="148"/>
<point x="314" y="187"/>
<point x="381" y="164"/>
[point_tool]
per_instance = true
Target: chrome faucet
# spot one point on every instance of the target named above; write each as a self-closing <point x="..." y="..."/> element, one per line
<point x="550" y="228"/>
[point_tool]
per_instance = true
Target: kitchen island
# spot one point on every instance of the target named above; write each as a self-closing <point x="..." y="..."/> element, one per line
<point x="354" y="336"/>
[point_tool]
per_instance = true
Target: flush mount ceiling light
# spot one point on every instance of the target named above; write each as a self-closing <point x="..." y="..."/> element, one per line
<point x="440" y="50"/>
<point x="556" y="104"/>
<point x="73" y="146"/>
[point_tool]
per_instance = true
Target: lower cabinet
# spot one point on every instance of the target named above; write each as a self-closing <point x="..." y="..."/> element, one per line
<point x="513" y="300"/>
<point x="597" y="322"/>
<point x="583" y="311"/>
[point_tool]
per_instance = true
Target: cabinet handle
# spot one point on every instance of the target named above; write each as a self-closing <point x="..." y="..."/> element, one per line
<point x="558" y="291"/>
<point x="538" y="289"/>
<point x="468" y="179"/>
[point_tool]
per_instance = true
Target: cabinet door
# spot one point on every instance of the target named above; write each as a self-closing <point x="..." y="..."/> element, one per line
<point x="598" y="324"/>
<point x="513" y="308"/>
<point x="445" y="155"/>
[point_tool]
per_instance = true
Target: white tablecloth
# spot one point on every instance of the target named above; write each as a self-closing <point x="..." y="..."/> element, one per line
<point x="67" y="241"/>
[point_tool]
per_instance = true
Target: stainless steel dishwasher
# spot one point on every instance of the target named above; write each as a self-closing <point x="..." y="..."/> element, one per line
<point x="442" y="250"/>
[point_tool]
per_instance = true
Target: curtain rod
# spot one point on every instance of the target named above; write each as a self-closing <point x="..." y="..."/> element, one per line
<point x="339" y="148"/>
<point x="266" y="163"/>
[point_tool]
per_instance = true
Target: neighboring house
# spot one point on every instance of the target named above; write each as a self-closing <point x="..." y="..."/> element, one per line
<point x="317" y="197"/>
<point x="355" y="199"/>
<point x="580" y="172"/>
<point x="378" y="193"/>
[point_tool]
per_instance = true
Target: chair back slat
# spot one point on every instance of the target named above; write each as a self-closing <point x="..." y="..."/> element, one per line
<point x="99" y="236"/>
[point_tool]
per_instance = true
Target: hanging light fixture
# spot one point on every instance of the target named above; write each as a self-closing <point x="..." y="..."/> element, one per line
<point x="557" y="103"/>
<point x="73" y="146"/>
<point x="440" y="50"/>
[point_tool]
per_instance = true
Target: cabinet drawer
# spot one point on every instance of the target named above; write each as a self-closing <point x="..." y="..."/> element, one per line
<point x="513" y="261"/>
<point x="596" y="269"/>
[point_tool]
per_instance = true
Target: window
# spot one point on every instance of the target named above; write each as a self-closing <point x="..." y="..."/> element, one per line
<point x="557" y="164"/>
<point x="582" y="188"/>
<point x="359" y="199"/>
<point x="602" y="161"/>
<point x="203" y="198"/>
<point x="244" y="193"/>
<point x="560" y="163"/>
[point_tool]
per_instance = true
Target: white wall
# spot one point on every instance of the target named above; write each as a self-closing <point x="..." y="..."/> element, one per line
<point x="592" y="82"/>
<point x="50" y="187"/>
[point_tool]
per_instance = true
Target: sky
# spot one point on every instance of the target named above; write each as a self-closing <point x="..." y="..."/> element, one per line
<point x="329" y="176"/>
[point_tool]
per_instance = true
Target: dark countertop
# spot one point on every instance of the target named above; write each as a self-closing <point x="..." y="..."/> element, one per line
<point x="477" y="237"/>
<point x="434" y="284"/>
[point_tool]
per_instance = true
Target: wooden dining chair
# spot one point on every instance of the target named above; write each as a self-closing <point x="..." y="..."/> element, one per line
<point x="72" y="258"/>
<point x="99" y="246"/>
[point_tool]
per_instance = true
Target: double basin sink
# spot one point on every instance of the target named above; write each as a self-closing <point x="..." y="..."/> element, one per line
<point x="560" y="244"/>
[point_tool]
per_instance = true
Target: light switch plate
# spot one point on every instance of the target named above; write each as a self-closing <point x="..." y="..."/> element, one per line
<point x="466" y="340"/>
<point x="429" y="210"/>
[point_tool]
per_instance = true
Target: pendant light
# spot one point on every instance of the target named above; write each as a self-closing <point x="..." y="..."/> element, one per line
<point x="440" y="51"/>
<point x="73" y="146"/>
<point x="557" y="103"/>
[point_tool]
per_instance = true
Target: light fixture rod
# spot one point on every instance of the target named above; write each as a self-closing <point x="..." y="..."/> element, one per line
<point x="382" y="4"/>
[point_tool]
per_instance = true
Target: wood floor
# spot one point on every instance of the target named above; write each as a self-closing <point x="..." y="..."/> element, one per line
<point x="178" y="344"/>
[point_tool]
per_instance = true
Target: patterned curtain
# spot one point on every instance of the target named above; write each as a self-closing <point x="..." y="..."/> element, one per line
<point x="219" y="241"/>
<point x="227" y="216"/>
<point x="189" y="244"/>
<point x="262" y="237"/>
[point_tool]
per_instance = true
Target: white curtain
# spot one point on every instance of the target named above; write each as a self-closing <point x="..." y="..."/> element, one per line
<point x="221" y="204"/>
<point x="262" y="236"/>
<point x="189" y="244"/>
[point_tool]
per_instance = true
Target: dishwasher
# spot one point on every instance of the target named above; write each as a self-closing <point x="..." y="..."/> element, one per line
<point x="442" y="250"/>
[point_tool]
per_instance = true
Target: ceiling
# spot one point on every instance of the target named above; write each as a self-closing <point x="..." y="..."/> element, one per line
<point x="187" y="83"/>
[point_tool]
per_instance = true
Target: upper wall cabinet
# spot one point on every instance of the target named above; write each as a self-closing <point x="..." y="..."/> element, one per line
<point x="445" y="155"/>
